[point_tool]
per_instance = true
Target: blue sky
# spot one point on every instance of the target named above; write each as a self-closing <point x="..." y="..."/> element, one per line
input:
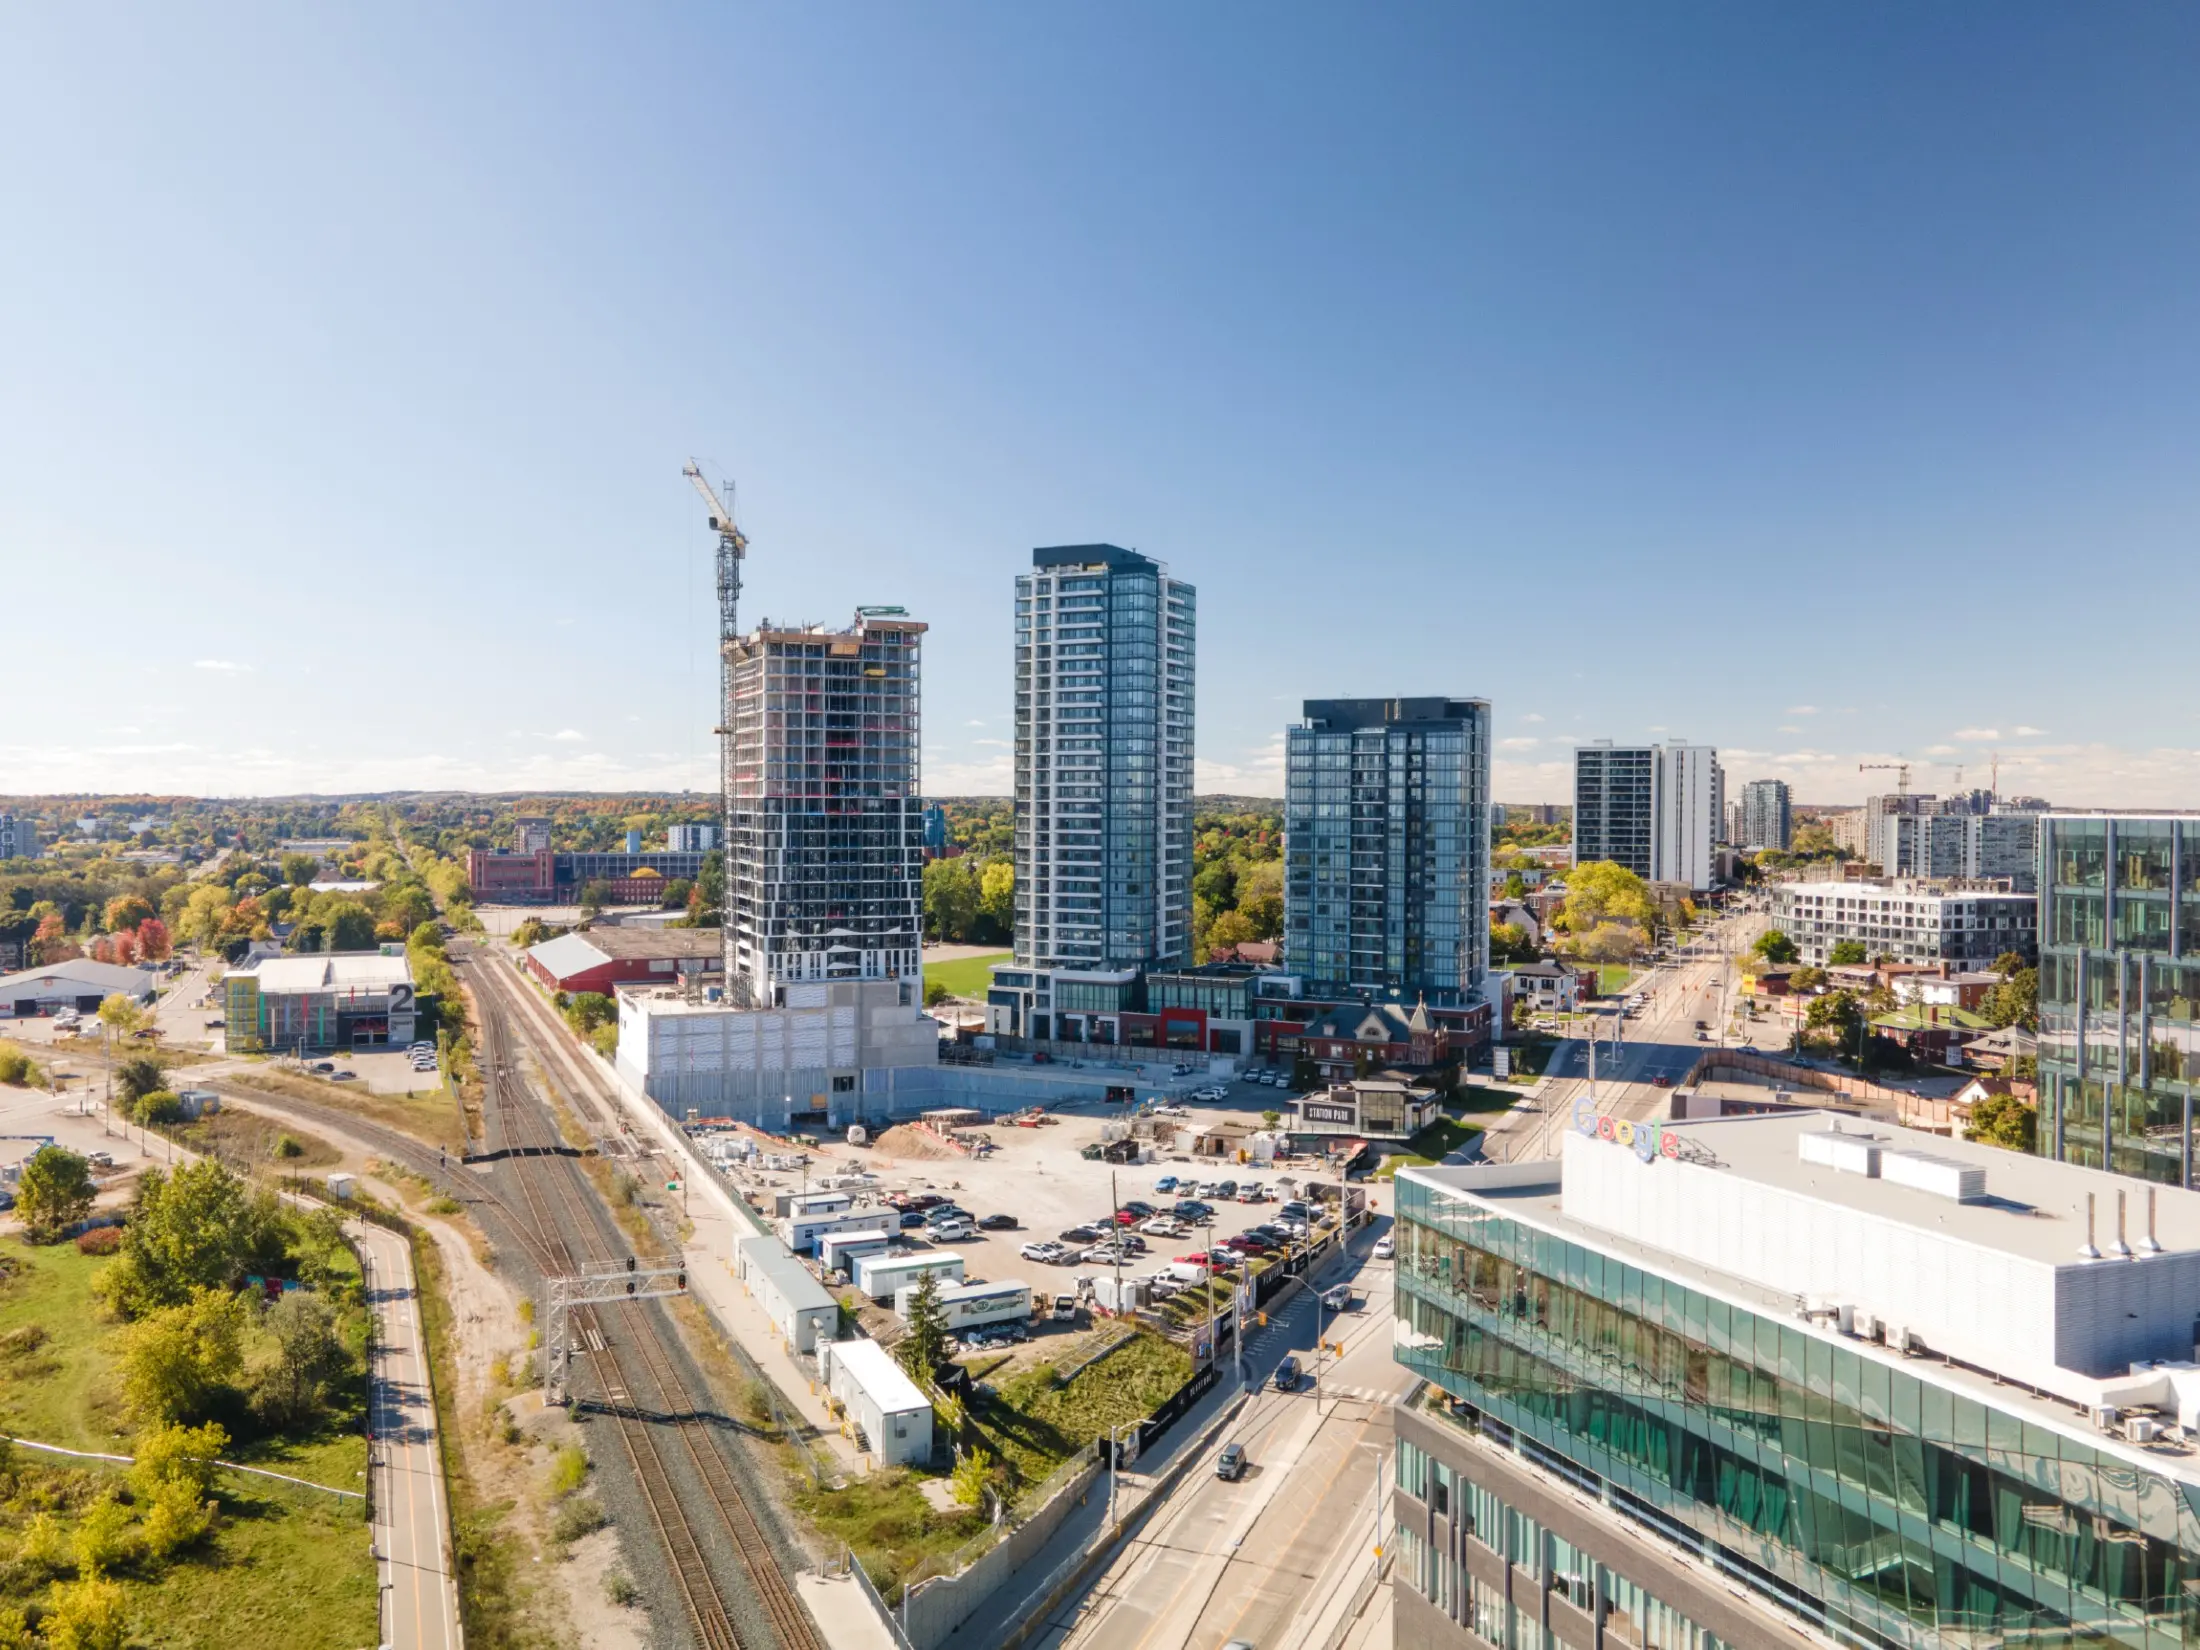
<point x="1823" y="383"/>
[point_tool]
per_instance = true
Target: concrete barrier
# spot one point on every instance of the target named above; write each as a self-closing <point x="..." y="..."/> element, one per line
<point x="932" y="1610"/>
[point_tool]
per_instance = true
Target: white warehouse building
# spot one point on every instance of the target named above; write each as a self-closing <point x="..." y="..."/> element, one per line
<point x="761" y="1064"/>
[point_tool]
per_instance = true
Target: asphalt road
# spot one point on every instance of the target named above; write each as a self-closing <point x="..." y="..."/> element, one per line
<point x="1269" y="1557"/>
<point x="1661" y="1044"/>
<point x="418" y="1597"/>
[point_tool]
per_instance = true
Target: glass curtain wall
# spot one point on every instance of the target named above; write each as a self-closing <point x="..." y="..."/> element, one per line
<point x="2119" y="993"/>
<point x="1890" y="1510"/>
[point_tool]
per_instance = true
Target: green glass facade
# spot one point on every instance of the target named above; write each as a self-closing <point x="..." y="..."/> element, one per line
<point x="1884" y="1509"/>
<point x="2120" y="992"/>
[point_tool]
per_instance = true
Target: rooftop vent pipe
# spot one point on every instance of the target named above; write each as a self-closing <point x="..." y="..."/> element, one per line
<point x="2150" y="1245"/>
<point x="2087" y="1249"/>
<point x="2120" y="1249"/>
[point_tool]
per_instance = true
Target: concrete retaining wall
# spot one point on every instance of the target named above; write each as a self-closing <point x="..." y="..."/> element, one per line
<point x="935" y="1609"/>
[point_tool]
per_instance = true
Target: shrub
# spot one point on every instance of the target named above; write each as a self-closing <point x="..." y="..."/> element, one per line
<point x="15" y="1067"/>
<point x="568" y="1470"/>
<point x="619" y="1588"/>
<point x="104" y="1537"/>
<point x="578" y="1517"/>
<point x="157" y="1107"/>
<point x="88" y="1614"/>
<point x="286" y="1146"/>
<point x="175" y="1519"/>
<point x="100" y="1240"/>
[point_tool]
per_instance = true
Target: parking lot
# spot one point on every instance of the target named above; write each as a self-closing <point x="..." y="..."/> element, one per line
<point x="1038" y="1176"/>
<point x="383" y="1071"/>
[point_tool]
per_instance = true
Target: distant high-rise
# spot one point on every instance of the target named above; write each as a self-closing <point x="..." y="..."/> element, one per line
<point x="1659" y="810"/>
<point x="1386" y="848"/>
<point x="1767" y="819"/>
<point x="18" y="837"/>
<point x="825" y="835"/>
<point x="1104" y="721"/>
<point x="691" y="839"/>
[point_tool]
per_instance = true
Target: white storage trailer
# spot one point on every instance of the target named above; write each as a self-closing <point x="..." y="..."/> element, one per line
<point x="975" y="1305"/>
<point x="801" y="1232"/>
<point x="838" y="1249"/>
<point x="825" y="1201"/>
<point x="879" y="1276"/>
<point x="893" y="1418"/>
<point x="797" y="1304"/>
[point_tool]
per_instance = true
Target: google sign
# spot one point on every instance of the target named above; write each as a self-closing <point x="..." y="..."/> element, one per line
<point x="1647" y="1140"/>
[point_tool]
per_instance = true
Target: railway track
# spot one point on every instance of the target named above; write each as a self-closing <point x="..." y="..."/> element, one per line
<point x="635" y="1372"/>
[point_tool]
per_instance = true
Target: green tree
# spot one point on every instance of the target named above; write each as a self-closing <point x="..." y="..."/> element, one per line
<point x="1807" y="978"/>
<point x="173" y="1454"/>
<point x="677" y="894"/>
<point x="176" y="1360"/>
<point x="1608" y="942"/>
<point x="308" y="1356"/>
<point x="1775" y="947"/>
<point x="1231" y="928"/>
<point x="935" y="993"/>
<point x="925" y="1346"/>
<point x="1847" y="954"/>
<point x="298" y="869"/>
<point x="1260" y="897"/>
<point x="1509" y="944"/>
<point x="54" y="1193"/>
<point x="15" y="1067"/>
<point x="103" y="1536"/>
<point x="595" y="895"/>
<point x="2008" y="963"/>
<point x="1601" y="892"/>
<point x="126" y="911"/>
<point x="88" y="1613"/>
<point x="970" y="1476"/>
<point x="950" y="899"/>
<point x="137" y="1077"/>
<point x="707" y="907"/>
<point x="1516" y="886"/>
<point x="175" y="1518"/>
<point x="997" y="898"/>
<point x="589" y="1010"/>
<point x="350" y="927"/>
<point x="121" y="1014"/>
<point x="2003" y="1120"/>
<point x="191" y="1231"/>
<point x="2016" y="1001"/>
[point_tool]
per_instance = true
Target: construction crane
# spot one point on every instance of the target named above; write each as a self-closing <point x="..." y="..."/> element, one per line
<point x="1901" y="774"/>
<point x="732" y="547"/>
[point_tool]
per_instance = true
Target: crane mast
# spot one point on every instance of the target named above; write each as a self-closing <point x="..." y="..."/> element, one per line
<point x="732" y="547"/>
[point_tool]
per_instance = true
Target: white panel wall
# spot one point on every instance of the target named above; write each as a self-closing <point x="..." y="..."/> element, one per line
<point x="1982" y="1306"/>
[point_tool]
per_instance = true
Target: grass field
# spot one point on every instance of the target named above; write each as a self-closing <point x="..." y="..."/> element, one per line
<point x="431" y="1115"/>
<point x="283" y="1565"/>
<point x="965" y="976"/>
<point x="1612" y="978"/>
<point x="1035" y="1425"/>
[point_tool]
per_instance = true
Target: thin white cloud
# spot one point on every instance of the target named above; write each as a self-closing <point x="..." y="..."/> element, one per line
<point x="1976" y="733"/>
<point x="1518" y="744"/>
<point x="1802" y="710"/>
<point x="2023" y="732"/>
<point x="976" y="722"/>
<point x="1789" y="727"/>
<point x="1940" y="750"/>
<point x="1533" y="716"/>
<point x="569" y="736"/>
<point x="227" y="667"/>
<point x="1002" y="743"/>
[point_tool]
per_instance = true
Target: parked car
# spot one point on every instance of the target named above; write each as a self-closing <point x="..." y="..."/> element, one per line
<point x="1130" y="1241"/>
<point x="951" y="1231"/>
<point x="216" y="1023"/>
<point x="1226" y="1189"/>
<point x="1661" y="1081"/>
<point x="1141" y="1210"/>
<point x="998" y="1223"/>
<point x="1162" y="1226"/>
<point x="1252" y="1192"/>
<point x="323" y="1065"/>
<point x="1246" y="1244"/>
<point x="911" y="1217"/>
<point x="1230" y="1464"/>
<point x="1385" y="1247"/>
<point x="342" y="1076"/>
<point x="1167" y="1183"/>
<point x="1294" y="1228"/>
<point x="1081" y="1234"/>
<point x="1209" y="1188"/>
<point x="1337" y="1299"/>
<point x="1293" y="1210"/>
<point x="1180" y="1070"/>
<point x="1287" y="1375"/>
<point x="1040" y="1251"/>
<point x="1194" y="1211"/>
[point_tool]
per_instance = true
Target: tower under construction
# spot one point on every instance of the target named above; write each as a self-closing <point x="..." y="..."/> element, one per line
<point x="824" y="819"/>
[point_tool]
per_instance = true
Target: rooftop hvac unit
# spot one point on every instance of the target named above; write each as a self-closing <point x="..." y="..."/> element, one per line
<point x="1850" y="1153"/>
<point x="2141" y="1429"/>
<point x="1941" y="1176"/>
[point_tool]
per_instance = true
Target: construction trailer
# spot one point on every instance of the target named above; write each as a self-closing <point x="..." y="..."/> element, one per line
<point x="801" y="1232"/>
<point x="797" y="1304"/>
<point x="820" y="1201"/>
<point x="838" y="1250"/>
<point x="893" y="1420"/>
<point x="881" y="1276"/>
<point x="975" y="1305"/>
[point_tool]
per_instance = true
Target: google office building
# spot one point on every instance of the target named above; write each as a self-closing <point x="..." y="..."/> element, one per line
<point x="1795" y="1379"/>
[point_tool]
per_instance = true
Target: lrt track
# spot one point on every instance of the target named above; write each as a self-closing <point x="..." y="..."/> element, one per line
<point x="513" y="1120"/>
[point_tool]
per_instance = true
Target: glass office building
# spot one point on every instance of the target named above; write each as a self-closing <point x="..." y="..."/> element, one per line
<point x="1622" y="1444"/>
<point x="2119" y="945"/>
<point x="1386" y="848"/>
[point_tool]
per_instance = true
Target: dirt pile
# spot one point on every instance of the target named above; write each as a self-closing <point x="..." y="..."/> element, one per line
<point x="909" y="1140"/>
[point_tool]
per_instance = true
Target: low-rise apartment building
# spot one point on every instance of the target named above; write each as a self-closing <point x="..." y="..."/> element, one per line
<point x="1908" y="919"/>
